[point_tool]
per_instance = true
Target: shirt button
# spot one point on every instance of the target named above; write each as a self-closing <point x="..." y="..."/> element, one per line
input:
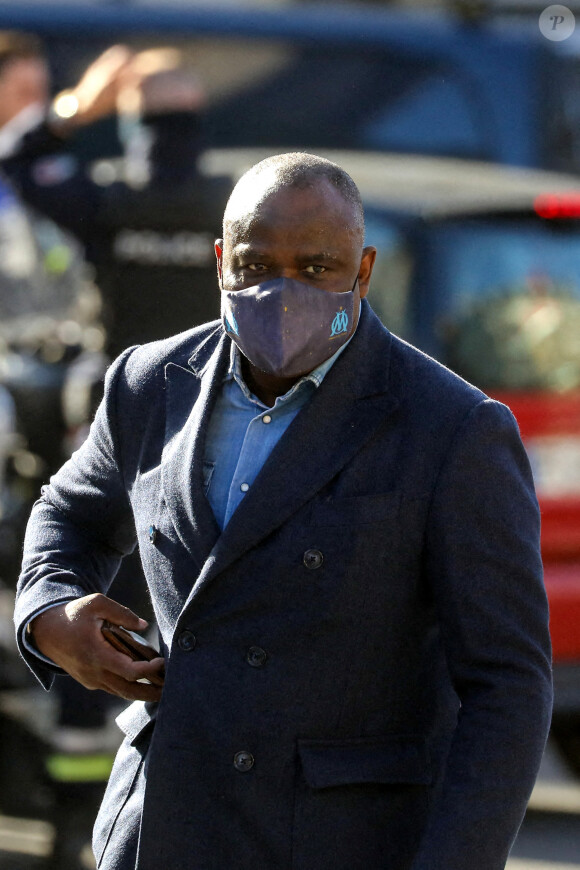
<point x="243" y="761"/>
<point x="266" y="418"/>
<point x="244" y="487"/>
<point x="256" y="656"/>
<point x="186" y="641"/>
<point x="313" y="559"/>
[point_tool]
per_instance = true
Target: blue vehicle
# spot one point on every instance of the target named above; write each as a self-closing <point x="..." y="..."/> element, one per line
<point x="371" y="79"/>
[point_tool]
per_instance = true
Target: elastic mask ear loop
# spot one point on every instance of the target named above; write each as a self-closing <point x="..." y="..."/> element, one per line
<point x="356" y="281"/>
<point x="220" y="272"/>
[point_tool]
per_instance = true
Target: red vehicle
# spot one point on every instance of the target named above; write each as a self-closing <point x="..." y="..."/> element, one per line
<point x="550" y="427"/>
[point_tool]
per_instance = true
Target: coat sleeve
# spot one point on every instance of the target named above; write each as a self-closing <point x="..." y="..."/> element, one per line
<point x="484" y="566"/>
<point x="80" y="528"/>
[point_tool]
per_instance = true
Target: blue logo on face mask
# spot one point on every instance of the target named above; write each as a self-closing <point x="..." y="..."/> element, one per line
<point x="231" y="324"/>
<point x="339" y="324"/>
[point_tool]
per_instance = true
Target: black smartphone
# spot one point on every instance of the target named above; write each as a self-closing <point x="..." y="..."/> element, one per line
<point x="131" y="644"/>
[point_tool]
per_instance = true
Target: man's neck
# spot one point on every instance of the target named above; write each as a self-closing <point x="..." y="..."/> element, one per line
<point x="263" y="385"/>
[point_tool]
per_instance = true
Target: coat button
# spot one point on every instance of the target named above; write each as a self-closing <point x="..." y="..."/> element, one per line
<point x="243" y="761"/>
<point x="256" y="656"/>
<point x="186" y="641"/>
<point x="313" y="559"/>
<point x="152" y="534"/>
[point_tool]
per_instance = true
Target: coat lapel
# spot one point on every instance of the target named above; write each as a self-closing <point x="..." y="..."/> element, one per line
<point x="340" y="417"/>
<point x="191" y="394"/>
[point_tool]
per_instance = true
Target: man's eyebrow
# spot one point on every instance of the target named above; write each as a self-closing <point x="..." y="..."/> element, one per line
<point x="244" y="249"/>
<point x="322" y="255"/>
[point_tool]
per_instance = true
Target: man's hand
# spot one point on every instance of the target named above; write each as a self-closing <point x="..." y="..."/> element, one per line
<point x="70" y="635"/>
<point x="155" y="82"/>
<point x="96" y="94"/>
<point x="172" y="91"/>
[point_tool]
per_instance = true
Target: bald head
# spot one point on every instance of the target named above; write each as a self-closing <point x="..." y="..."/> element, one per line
<point x="295" y="170"/>
<point x="295" y="216"/>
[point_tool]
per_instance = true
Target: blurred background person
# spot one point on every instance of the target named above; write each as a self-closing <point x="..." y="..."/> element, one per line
<point x="49" y="307"/>
<point x="49" y="323"/>
<point x="24" y="85"/>
<point x="147" y="221"/>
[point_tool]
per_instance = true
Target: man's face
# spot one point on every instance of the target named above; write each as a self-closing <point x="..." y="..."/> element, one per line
<point x="308" y="234"/>
<point x="23" y="82"/>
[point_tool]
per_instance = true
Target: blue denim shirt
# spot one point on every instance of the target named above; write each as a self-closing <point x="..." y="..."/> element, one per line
<point x="243" y="431"/>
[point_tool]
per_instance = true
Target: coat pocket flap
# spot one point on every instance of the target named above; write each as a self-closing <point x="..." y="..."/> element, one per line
<point x="387" y="760"/>
<point x="134" y="720"/>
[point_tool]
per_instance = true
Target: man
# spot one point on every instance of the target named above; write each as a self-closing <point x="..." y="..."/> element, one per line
<point x="39" y="268"/>
<point x="24" y="80"/>
<point x="26" y="112"/>
<point x="42" y="278"/>
<point x="147" y="225"/>
<point x="340" y="539"/>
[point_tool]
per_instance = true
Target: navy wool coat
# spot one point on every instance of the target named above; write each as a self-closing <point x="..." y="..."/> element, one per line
<point x="357" y="667"/>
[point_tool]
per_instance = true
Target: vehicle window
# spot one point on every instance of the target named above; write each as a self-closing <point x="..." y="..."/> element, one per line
<point x="562" y="127"/>
<point x="390" y="286"/>
<point x="306" y="94"/>
<point x="506" y="303"/>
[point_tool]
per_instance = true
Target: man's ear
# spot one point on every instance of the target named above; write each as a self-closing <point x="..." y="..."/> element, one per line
<point x="218" y="247"/>
<point x="367" y="262"/>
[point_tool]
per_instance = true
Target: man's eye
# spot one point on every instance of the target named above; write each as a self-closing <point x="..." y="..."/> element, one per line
<point x="255" y="267"/>
<point x="315" y="270"/>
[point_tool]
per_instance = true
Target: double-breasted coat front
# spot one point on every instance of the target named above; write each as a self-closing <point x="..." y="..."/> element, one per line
<point x="357" y="667"/>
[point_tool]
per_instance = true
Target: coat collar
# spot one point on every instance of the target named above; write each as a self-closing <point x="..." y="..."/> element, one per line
<point x="340" y="417"/>
<point x="208" y="352"/>
<point x="190" y="396"/>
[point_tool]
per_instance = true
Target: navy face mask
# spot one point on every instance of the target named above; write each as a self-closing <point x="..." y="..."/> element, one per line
<point x="286" y="327"/>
